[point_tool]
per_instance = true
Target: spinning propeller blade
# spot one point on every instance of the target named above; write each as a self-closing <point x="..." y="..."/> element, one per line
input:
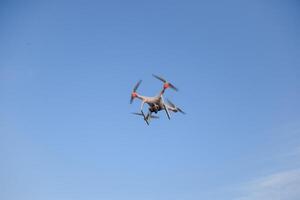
<point x="159" y="78"/>
<point x="137" y="85"/>
<point x="171" y="104"/>
<point x="166" y="83"/>
<point x="140" y="114"/>
<point x="181" y="111"/>
<point x="174" y="106"/>
<point x="133" y="93"/>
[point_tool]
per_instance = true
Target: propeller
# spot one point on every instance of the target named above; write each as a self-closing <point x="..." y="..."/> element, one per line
<point x="173" y="105"/>
<point x="166" y="83"/>
<point x="134" y="94"/>
<point x="140" y="114"/>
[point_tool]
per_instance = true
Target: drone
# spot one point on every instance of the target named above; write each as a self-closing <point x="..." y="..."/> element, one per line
<point x="155" y="103"/>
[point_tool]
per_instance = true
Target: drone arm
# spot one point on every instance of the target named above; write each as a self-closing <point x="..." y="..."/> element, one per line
<point x="162" y="91"/>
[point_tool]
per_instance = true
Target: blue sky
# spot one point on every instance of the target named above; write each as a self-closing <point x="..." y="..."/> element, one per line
<point x="66" y="72"/>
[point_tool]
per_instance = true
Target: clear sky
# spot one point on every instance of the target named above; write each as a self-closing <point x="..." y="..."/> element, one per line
<point x="66" y="72"/>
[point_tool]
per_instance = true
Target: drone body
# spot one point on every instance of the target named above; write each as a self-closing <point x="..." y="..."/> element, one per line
<point x="155" y="103"/>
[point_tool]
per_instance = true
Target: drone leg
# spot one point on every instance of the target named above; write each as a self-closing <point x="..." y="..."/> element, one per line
<point x="167" y="112"/>
<point x="149" y="115"/>
<point x="144" y="117"/>
<point x="142" y="106"/>
<point x="165" y="107"/>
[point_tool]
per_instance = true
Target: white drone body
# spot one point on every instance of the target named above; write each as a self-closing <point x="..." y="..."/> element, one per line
<point x="155" y="103"/>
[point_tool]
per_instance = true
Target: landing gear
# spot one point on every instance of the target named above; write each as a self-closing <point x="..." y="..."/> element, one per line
<point x="145" y="118"/>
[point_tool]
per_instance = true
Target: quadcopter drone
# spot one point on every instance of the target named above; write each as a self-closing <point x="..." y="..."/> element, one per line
<point x="156" y="103"/>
